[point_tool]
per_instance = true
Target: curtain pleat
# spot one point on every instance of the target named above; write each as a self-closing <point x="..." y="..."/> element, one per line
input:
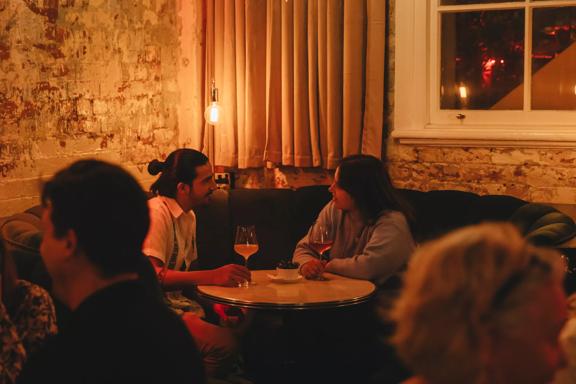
<point x="353" y="73"/>
<point x="226" y="150"/>
<point x="273" y="151"/>
<point x="240" y="71"/>
<point x="313" y="84"/>
<point x="255" y="85"/>
<point x="302" y="153"/>
<point x="334" y="92"/>
<point x="323" y="81"/>
<point x="301" y="81"/>
<point x="374" y="90"/>
<point x="287" y="83"/>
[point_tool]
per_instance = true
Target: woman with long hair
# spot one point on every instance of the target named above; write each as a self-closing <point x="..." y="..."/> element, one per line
<point x="369" y="224"/>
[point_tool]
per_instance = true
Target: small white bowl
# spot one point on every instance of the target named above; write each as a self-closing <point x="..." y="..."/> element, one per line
<point x="287" y="273"/>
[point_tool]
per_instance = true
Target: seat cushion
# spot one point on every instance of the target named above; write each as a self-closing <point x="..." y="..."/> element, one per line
<point x="22" y="236"/>
<point x="543" y="224"/>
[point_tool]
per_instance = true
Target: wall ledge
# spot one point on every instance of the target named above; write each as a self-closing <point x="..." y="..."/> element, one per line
<point x="487" y="136"/>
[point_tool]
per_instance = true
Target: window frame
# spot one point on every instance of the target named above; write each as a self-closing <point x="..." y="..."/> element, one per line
<point x="417" y="116"/>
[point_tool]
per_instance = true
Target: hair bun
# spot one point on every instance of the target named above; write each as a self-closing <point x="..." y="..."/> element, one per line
<point x="155" y="167"/>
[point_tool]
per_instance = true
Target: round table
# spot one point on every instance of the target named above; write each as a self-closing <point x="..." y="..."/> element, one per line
<point x="269" y="293"/>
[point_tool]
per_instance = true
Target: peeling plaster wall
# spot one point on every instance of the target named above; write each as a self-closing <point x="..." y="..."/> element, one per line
<point x="84" y="78"/>
<point x="539" y="175"/>
<point x="282" y="177"/>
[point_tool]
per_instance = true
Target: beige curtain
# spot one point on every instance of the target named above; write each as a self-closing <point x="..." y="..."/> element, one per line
<point x="301" y="81"/>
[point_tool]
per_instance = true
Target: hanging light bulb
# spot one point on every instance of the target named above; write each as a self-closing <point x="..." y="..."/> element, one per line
<point x="463" y="91"/>
<point x="213" y="113"/>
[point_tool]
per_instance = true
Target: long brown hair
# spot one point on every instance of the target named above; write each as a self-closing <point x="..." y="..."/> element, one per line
<point x="367" y="181"/>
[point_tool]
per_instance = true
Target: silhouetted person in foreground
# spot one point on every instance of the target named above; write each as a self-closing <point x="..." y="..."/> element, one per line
<point x="481" y="305"/>
<point x="95" y="220"/>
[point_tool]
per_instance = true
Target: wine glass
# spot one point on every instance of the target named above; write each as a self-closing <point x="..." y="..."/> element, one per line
<point x="321" y="238"/>
<point x="245" y="244"/>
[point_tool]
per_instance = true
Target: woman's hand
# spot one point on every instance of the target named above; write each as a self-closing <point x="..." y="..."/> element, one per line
<point x="313" y="269"/>
<point x="230" y="275"/>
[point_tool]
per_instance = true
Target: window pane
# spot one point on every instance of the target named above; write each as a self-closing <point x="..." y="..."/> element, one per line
<point x="554" y="58"/>
<point x="462" y="2"/>
<point x="482" y="60"/>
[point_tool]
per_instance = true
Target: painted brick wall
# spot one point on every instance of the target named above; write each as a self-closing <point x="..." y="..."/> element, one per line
<point x="84" y="78"/>
<point x="539" y="175"/>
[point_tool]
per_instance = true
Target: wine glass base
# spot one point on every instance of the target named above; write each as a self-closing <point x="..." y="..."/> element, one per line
<point x="246" y="284"/>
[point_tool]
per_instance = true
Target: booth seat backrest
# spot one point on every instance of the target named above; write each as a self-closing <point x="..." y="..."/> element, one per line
<point x="281" y="218"/>
<point x="439" y="212"/>
<point x="308" y="202"/>
<point x="22" y="235"/>
<point x="213" y="232"/>
<point x="270" y="210"/>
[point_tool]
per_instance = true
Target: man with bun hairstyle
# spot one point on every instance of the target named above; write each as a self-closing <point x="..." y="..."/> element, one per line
<point x="186" y="181"/>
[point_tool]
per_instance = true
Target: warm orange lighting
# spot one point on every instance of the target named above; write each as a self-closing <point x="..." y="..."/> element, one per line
<point x="213" y="113"/>
<point x="463" y="92"/>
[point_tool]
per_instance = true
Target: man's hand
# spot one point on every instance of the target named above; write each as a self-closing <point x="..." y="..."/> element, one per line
<point x="230" y="275"/>
<point x="313" y="269"/>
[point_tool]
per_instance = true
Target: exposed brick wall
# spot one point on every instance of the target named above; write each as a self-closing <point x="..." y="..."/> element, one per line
<point x="283" y="177"/>
<point x="84" y="78"/>
<point x="540" y="175"/>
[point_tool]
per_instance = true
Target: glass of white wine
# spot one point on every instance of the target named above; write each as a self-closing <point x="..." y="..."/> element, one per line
<point x="245" y="244"/>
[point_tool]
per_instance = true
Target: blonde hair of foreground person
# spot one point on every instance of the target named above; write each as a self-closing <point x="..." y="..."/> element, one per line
<point x="481" y="305"/>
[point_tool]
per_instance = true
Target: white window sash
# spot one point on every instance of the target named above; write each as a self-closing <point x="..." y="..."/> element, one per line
<point x="417" y="115"/>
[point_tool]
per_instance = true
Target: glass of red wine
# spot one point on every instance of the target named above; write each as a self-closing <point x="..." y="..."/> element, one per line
<point x="321" y="239"/>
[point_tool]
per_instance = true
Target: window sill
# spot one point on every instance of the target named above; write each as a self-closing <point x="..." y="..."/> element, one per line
<point x="487" y="136"/>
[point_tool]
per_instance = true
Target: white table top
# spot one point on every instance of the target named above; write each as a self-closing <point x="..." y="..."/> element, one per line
<point x="335" y="291"/>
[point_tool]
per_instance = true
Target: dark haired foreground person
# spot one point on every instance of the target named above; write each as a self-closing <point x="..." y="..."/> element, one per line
<point x="95" y="219"/>
<point x="186" y="181"/>
<point x="480" y="305"/>
<point x="27" y="319"/>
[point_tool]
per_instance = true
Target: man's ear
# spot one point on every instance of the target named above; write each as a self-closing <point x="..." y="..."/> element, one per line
<point x="183" y="188"/>
<point x="71" y="242"/>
